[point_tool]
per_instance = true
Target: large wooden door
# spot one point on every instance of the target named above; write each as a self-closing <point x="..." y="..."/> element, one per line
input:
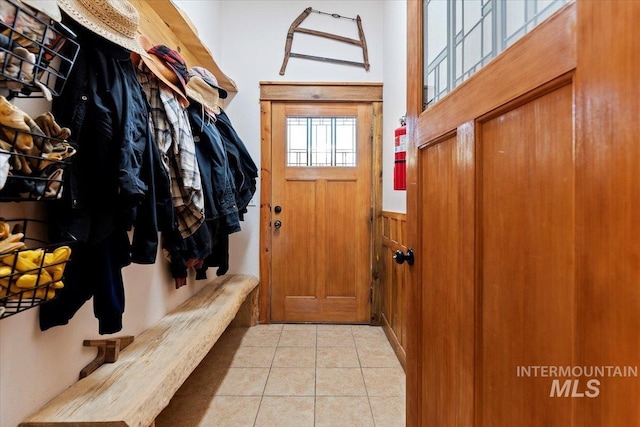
<point x="321" y="217"/>
<point x="522" y="211"/>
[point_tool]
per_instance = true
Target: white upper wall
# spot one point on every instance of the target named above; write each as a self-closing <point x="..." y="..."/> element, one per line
<point x="205" y="17"/>
<point x="394" y="96"/>
<point x="253" y="51"/>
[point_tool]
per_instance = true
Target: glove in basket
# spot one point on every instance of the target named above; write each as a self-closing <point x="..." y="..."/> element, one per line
<point x="31" y="271"/>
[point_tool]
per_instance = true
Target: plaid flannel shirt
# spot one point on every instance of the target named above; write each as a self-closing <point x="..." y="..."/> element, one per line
<point x="172" y="132"/>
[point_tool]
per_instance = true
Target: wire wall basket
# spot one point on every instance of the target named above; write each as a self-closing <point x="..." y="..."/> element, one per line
<point x="36" y="53"/>
<point x="32" y="165"/>
<point x="31" y="270"/>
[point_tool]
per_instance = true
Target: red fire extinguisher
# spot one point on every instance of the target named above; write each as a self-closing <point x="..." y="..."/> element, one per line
<point x="400" y="161"/>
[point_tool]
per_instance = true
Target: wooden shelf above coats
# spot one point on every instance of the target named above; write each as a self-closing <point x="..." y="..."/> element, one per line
<point x="164" y="23"/>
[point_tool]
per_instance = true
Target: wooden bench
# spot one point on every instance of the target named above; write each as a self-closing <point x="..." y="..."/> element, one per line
<point x="139" y="385"/>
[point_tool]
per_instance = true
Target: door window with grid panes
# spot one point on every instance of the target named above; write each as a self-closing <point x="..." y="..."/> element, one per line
<point x="461" y="36"/>
<point x="321" y="141"/>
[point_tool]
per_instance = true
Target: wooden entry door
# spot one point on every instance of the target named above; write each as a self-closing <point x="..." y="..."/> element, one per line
<point x="522" y="212"/>
<point x="321" y="212"/>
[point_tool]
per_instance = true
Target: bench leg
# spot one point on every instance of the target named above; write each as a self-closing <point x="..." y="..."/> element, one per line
<point x="108" y="351"/>
<point x="249" y="311"/>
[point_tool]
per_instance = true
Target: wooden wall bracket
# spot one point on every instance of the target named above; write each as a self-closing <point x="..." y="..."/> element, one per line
<point x="108" y="351"/>
<point x="295" y="28"/>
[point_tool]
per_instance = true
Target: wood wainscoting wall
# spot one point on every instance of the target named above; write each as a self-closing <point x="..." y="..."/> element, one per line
<point x="394" y="282"/>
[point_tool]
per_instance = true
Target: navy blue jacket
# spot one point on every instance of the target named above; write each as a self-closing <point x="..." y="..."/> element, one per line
<point x="218" y="184"/>
<point x="244" y="169"/>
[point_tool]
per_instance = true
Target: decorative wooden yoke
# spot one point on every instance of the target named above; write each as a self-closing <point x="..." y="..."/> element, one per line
<point x="133" y="390"/>
<point x="295" y="28"/>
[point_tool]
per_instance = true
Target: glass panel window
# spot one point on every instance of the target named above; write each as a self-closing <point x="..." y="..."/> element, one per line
<point x="461" y="36"/>
<point x="321" y="141"/>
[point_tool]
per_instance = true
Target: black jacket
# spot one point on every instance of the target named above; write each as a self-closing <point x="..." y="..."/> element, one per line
<point x="116" y="168"/>
<point x="110" y="186"/>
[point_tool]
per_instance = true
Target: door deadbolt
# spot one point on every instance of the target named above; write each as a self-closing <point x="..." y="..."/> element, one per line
<point x="277" y="209"/>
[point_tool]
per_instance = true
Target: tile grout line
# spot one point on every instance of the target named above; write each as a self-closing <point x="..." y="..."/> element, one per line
<point x="315" y="382"/>
<point x="267" y="380"/>
<point x="366" y="389"/>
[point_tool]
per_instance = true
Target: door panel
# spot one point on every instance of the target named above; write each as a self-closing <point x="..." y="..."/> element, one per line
<point x="321" y="255"/>
<point x="497" y="243"/>
<point x="296" y="214"/>
<point x="341" y="278"/>
<point x="446" y="195"/>
<point x="527" y="257"/>
<point x="555" y="238"/>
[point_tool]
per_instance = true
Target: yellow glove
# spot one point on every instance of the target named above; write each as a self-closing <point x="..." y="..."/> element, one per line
<point x="5" y="271"/>
<point x="24" y="260"/>
<point x="54" y="262"/>
<point x="31" y="280"/>
<point x="57" y="285"/>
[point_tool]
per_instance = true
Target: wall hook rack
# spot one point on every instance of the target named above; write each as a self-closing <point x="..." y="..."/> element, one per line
<point x="295" y="28"/>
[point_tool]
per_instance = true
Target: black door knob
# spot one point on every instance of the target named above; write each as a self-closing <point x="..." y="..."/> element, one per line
<point x="401" y="257"/>
<point x="277" y="209"/>
<point x="277" y="224"/>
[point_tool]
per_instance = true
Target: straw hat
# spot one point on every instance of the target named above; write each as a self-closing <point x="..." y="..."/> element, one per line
<point x="48" y="7"/>
<point x="167" y="65"/>
<point x="114" y="20"/>
<point x="208" y="77"/>
<point x="203" y="93"/>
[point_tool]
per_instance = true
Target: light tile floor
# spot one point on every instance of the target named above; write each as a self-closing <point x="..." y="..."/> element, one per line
<point x="293" y="375"/>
